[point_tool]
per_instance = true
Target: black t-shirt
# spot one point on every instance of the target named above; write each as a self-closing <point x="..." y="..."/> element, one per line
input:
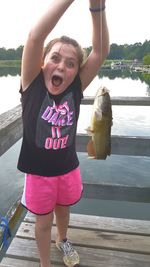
<point x="49" y="128"/>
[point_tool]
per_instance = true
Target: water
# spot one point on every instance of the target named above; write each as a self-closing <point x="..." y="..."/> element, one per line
<point x="9" y="92"/>
<point x="116" y="167"/>
<point x="127" y="120"/>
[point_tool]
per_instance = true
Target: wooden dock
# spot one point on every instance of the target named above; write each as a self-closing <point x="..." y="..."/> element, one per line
<point x="100" y="241"/>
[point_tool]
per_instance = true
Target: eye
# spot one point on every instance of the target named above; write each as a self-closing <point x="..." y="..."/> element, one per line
<point x="55" y="58"/>
<point x="70" y="64"/>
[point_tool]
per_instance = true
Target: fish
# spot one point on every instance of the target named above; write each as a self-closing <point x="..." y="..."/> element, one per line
<point x="99" y="145"/>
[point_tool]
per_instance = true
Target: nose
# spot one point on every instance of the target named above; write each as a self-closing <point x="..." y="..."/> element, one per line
<point x="61" y="66"/>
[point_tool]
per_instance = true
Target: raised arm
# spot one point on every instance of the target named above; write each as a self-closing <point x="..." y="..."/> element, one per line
<point x="100" y="42"/>
<point x="33" y="49"/>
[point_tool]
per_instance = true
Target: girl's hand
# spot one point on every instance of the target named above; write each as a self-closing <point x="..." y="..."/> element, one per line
<point x="97" y="3"/>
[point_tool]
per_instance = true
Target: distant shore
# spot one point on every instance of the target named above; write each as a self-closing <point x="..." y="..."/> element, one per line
<point x="10" y="63"/>
<point x="17" y="63"/>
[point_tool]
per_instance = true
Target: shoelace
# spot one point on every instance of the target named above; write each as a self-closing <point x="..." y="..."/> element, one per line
<point x="68" y="249"/>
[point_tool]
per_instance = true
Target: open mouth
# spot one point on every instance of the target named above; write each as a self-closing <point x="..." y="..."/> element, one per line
<point x="57" y="80"/>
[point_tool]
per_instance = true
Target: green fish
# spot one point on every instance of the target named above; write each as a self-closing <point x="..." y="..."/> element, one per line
<point x="99" y="146"/>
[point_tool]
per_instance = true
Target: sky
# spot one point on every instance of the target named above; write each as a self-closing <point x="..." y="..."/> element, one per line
<point x="128" y="21"/>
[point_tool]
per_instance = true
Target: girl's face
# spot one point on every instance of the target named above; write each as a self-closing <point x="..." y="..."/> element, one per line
<point x="60" y="67"/>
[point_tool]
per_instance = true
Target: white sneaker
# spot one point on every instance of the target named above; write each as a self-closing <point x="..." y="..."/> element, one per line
<point x="70" y="255"/>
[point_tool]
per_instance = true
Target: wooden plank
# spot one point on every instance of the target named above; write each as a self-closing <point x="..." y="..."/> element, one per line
<point x="11" y="132"/>
<point x="103" y="223"/>
<point x="104" y="248"/>
<point x="114" y="191"/>
<point x="13" y="217"/>
<point x="10" y="128"/>
<point x="90" y="257"/>
<point x="120" y="145"/>
<point x="98" y="239"/>
<point x="10" y="262"/>
<point x="117" y="100"/>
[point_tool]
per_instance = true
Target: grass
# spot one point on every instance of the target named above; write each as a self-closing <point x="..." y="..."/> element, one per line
<point x="10" y="63"/>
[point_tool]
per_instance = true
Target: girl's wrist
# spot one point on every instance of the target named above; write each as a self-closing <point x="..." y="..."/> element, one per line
<point x="97" y="5"/>
<point x="97" y="9"/>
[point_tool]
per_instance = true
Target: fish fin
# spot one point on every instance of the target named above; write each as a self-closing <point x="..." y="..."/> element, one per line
<point x="89" y="131"/>
<point x="91" y="149"/>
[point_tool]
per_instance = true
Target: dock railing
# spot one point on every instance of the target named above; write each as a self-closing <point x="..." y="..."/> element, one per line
<point x="11" y="132"/>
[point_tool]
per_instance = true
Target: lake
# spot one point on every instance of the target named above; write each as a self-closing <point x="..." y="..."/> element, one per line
<point x="127" y="120"/>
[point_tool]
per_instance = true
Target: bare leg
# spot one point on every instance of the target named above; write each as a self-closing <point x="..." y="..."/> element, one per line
<point x="62" y="221"/>
<point x="43" y="228"/>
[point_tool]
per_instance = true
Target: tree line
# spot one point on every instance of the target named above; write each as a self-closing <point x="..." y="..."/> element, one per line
<point x="128" y="51"/>
<point x="11" y="53"/>
<point x="117" y="52"/>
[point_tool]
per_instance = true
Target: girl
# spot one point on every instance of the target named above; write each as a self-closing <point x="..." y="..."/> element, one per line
<point x="51" y="88"/>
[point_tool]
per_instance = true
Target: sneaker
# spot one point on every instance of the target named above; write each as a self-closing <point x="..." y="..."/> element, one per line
<point x="70" y="255"/>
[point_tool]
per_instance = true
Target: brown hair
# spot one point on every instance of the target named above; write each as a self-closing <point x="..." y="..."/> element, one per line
<point x="66" y="40"/>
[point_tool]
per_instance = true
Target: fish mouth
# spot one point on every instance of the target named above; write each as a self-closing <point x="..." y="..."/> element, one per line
<point x="57" y="80"/>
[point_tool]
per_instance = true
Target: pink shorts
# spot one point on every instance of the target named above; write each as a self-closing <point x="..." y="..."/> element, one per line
<point x="41" y="194"/>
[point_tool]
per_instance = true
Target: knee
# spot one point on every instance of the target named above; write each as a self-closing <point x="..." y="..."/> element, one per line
<point x="43" y="224"/>
<point x="42" y="227"/>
